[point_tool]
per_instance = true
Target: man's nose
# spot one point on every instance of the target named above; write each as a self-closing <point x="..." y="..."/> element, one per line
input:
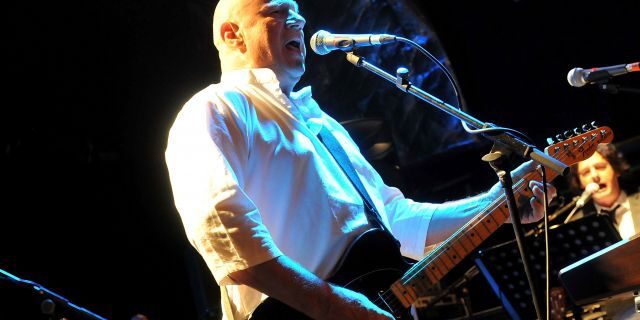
<point x="594" y="175"/>
<point x="295" y="21"/>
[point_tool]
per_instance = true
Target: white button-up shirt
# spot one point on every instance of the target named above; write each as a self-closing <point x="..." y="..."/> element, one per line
<point x="251" y="181"/>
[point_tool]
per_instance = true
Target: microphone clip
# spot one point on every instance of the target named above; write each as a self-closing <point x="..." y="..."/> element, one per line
<point x="402" y="79"/>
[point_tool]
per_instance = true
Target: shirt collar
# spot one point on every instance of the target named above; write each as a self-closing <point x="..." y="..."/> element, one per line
<point x="301" y="100"/>
<point x="309" y="109"/>
<point x="250" y="76"/>
<point x="307" y="106"/>
<point x="622" y="201"/>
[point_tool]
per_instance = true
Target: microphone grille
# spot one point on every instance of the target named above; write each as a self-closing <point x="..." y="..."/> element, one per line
<point x="317" y="42"/>
<point x="575" y="77"/>
<point x="592" y="187"/>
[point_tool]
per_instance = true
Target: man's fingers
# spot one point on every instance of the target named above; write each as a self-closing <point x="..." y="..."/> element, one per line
<point x="536" y="204"/>
<point x="523" y="169"/>
<point x="536" y="188"/>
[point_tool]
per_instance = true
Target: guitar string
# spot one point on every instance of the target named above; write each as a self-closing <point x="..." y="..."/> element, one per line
<point x="440" y="250"/>
<point x="475" y="221"/>
<point x="393" y="304"/>
<point x="437" y="253"/>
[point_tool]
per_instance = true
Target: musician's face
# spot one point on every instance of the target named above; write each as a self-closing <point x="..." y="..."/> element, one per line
<point x="597" y="169"/>
<point x="273" y="35"/>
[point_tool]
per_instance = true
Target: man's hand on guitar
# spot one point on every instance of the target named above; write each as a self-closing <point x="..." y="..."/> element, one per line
<point x="347" y="304"/>
<point x="535" y="210"/>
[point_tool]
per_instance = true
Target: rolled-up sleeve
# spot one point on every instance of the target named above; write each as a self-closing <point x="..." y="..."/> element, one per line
<point x="409" y="221"/>
<point x="206" y="157"/>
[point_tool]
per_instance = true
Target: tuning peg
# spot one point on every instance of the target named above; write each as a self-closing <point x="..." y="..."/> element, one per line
<point x="593" y="125"/>
<point x="576" y="131"/>
<point x="568" y="134"/>
<point x="559" y="137"/>
<point x="586" y="127"/>
<point x="550" y="141"/>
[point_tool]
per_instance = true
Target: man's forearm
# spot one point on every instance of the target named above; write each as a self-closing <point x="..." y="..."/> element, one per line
<point x="451" y="216"/>
<point x="285" y="280"/>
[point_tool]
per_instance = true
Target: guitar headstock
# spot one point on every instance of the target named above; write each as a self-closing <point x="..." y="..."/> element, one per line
<point x="576" y="145"/>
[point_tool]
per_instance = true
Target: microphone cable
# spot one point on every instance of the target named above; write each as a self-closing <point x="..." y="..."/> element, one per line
<point x="547" y="268"/>
<point x="456" y="91"/>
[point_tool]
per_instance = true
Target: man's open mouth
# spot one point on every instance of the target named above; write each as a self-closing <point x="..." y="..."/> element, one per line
<point x="293" y="45"/>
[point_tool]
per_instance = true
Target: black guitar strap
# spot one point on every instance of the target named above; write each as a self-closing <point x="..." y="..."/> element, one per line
<point x="338" y="153"/>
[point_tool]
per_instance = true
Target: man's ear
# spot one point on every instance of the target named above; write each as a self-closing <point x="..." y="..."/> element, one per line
<point x="230" y="35"/>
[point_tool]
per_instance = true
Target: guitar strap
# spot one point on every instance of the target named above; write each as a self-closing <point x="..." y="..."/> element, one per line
<point x="226" y="304"/>
<point x="338" y="153"/>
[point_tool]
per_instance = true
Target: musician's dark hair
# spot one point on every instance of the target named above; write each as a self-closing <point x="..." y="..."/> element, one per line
<point x="611" y="154"/>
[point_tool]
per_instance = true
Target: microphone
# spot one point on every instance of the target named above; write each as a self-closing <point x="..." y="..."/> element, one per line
<point x="586" y="194"/>
<point x="578" y="77"/>
<point x="584" y="197"/>
<point x="323" y="42"/>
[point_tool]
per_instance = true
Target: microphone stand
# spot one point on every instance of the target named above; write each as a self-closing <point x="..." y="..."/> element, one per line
<point x="50" y="298"/>
<point x="573" y="211"/>
<point x="505" y="144"/>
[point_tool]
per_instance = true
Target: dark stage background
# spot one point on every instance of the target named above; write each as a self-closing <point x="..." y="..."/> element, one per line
<point x="91" y="89"/>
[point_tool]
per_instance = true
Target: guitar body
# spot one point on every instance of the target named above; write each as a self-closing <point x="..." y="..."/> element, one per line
<point x="372" y="263"/>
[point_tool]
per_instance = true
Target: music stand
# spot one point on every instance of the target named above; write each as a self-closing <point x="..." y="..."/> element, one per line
<point x="617" y="269"/>
<point x="502" y="267"/>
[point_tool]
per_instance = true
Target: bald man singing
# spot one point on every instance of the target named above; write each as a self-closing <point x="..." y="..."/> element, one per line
<point x="260" y="196"/>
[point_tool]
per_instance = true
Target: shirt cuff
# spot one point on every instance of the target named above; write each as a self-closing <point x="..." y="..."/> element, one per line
<point x="222" y="274"/>
<point x="413" y="235"/>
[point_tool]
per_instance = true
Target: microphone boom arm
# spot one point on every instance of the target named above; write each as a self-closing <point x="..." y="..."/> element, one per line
<point x="507" y="139"/>
<point x="45" y="293"/>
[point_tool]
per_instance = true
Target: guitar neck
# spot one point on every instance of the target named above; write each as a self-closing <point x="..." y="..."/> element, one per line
<point x="432" y="268"/>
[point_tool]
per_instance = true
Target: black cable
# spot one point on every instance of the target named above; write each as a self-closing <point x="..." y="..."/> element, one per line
<point x="456" y="91"/>
<point x="546" y="242"/>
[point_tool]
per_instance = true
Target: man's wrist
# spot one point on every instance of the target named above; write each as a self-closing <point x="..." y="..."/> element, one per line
<point x="327" y="301"/>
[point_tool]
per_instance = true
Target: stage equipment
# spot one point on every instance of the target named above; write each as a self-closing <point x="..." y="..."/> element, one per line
<point x="578" y="77"/>
<point x="50" y="299"/>
<point x="604" y="273"/>
<point x="582" y="200"/>
<point x="323" y="42"/>
<point x="502" y="266"/>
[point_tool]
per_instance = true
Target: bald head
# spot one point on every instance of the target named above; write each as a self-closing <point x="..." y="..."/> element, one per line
<point x="227" y="11"/>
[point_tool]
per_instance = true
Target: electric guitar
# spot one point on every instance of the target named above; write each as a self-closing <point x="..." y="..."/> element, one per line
<point x="374" y="266"/>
